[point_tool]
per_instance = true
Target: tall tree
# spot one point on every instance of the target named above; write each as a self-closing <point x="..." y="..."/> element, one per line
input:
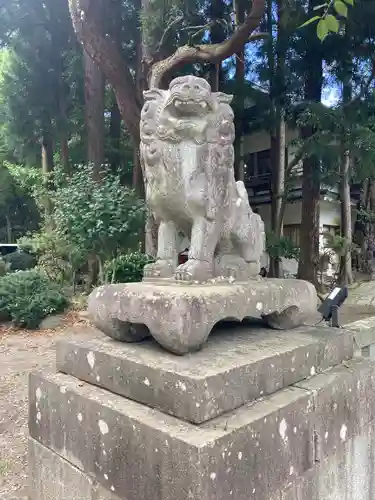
<point x="94" y="113"/>
<point x="309" y="234"/>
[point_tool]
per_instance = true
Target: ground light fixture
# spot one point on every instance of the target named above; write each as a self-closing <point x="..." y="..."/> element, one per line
<point x="329" y="308"/>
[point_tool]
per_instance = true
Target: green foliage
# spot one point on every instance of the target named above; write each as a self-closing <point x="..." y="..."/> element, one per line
<point x="27" y="297"/>
<point x="328" y="22"/>
<point x="20" y="261"/>
<point x="18" y="211"/>
<point x="59" y="260"/>
<point x="97" y="218"/>
<point x="127" y="268"/>
<point x="337" y="244"/>
<point x="283" y="247"/>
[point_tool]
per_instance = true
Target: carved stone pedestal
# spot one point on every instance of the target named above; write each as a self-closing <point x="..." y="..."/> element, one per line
<point x="234" y="421"/>
<point x="180" y="316"/>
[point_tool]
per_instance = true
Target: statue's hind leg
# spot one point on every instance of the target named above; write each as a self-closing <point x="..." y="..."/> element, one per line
<point x="166" y="262"/>
<point x="249" y="240"/>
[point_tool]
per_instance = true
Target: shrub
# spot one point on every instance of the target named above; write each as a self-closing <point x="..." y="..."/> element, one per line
<point x="278" y="248"/>
<point x="20" y="261"/>
<point x="97" y="218"/>
<point x="127" y="268"/>
<point x="27" y="297"/>
<point x="57" y="259"/>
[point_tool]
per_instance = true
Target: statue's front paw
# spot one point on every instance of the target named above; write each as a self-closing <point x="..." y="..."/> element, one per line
<point x="194" y="270"/>
<point x="159" y="269"/>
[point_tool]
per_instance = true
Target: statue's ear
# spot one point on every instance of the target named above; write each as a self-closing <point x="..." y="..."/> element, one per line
<point x="153" y="94"/>
<point x="223" y="98"/>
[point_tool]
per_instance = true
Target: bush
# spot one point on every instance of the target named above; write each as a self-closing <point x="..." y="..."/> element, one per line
<point x="57" y="259"/>
<point x="20" y="261"/>
<point x="98" y="219"/>
<point x="127" y="268"/>
<point x="278" y="248"/>
<point x="27" y="297"/>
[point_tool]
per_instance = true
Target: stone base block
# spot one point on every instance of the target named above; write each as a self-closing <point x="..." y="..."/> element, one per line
<point x="180" y="316"/>
<point x="54" y="478"/>
<point x="239" y="365"/>
<point x="253" y="452"/>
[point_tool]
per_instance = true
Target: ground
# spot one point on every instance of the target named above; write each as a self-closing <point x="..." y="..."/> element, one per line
<point x="22" y="352"/>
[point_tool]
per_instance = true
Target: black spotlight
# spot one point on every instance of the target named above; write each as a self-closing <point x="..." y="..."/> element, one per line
<point x="329" y="309"/>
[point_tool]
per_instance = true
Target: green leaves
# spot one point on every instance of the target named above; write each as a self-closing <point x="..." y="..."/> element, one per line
<point x="97" y="218"/>
<point x="309" y="21"/>
<point x="332" y="23"/>
<point x="329" y="22"/>
<point x="322" y="29"/>
<point x="341" y="8"/>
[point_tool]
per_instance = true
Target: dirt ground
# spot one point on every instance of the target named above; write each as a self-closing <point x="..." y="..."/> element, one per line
<point x="22" y="352"/>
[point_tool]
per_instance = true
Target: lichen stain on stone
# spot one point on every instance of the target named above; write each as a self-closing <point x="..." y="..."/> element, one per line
<point x="91" y="359"/>
<point x="181" y="385"/>
<point x="103" y="426"/>
<point x="282" y="430"/>
<point x="343" y="432"/>
<point x="38" y="394"/>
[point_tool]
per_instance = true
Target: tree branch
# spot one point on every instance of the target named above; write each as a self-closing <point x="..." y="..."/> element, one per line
<point x="213" y="53"/>
<point x="167" y="32"/>
<point x="106" y="54"/>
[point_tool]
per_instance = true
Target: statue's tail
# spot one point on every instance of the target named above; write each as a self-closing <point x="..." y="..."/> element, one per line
<point x="242" y="193"/>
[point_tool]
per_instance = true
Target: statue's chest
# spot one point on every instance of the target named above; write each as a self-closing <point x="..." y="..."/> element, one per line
<point x="180" y="173"/>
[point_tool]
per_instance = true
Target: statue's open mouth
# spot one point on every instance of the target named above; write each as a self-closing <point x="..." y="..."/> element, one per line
<point x="189" y="107"/>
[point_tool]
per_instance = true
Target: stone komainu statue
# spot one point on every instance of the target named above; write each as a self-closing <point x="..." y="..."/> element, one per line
<point x="187" y="135"/>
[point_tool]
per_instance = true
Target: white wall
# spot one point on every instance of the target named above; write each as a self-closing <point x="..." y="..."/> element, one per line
<point x="292" y="213"/>
<point x="259" y="141"/>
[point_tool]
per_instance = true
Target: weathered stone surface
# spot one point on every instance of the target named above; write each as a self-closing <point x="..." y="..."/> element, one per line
<point x="250" y="453"/>
<point x="238" y="365"/>
<point x="187" y="135"/>
<point x="53" y="478"/>
<point x="181" y="316"/>
<point x="347" y="474"/>
<point x="344" y="402"/>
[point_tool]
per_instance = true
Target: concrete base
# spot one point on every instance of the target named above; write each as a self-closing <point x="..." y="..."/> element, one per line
<point x="257" y="451"/>
<point x="347" y="474"/>
<point x="239" y="365"/>
<point x="180" y="316"/>
<point x="53" y="478"/>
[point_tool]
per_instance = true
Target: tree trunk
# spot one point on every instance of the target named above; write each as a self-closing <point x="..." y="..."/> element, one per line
<point x="309" y="231"/>
<point x="47" y="169"/>
<point x="346" y="219"/>
<point x="278" y="187"/>
<point x="346" y="209"/>
<point x="278" y="135"/>
<point x="239" y="10"/>
<point x="9" y="229"/>
<point x="64" y="153"/>
<point x="115" y="136"/>
<point x="94" y="114"/>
